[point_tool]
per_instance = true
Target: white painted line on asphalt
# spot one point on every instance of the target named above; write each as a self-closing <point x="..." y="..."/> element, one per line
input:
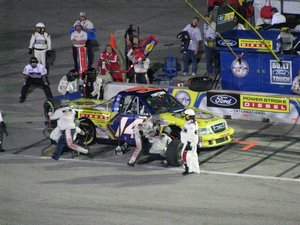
<point x="169" y="168"/>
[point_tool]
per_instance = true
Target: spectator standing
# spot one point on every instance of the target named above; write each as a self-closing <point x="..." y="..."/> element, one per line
<point x="3" y="130"/>
<point x="212" y="56"/>
<point x="35" y="73"/>
<point x="89" y="28"/>
<point x="78" y="39"/>
<point x="195" y="38"/>
<point x="40" y="43"/>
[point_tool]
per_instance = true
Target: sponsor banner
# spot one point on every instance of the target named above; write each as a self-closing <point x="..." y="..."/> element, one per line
<point x="223" y="100"/>
<point x="227" y="42"/>
<point x="281" y="73"/>
<point x="264" y="103"/>
<point x="257" y="44"/>
<point x="225" y="18"/>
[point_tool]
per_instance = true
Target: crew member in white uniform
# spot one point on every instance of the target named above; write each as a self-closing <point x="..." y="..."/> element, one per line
<point x="159" y="147"/>
<point x="65" y="117"/>
<point x="69" y="83"/>
<point x="277" y="17"/>
<point x="35" y="73"/>
<point x="189" y="138"/>
<point x="39" y="43"/>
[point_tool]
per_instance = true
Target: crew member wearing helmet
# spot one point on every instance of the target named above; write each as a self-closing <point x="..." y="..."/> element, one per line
<point x="78" y="39"/>
<point x="65" y="117"/>
<point x="159" y="147"/>
<point x="40" y="42"/>
<point x="69" y="83"/>
<point x="35" y="73"/>
<point x="189" y="138"/>
<point x="89" y="28"/>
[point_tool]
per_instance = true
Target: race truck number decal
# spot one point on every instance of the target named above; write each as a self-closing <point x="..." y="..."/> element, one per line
<point x="128" y="129"/>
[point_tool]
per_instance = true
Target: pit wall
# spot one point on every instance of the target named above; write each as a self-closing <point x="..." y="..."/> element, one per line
<point x="231" y="104"/>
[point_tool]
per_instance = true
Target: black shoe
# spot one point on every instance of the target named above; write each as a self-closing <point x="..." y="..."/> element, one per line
<point x="75" y="154"/>
<point x="54" y="157"/>
<point x="185" y="173"/>
<point x="21" y="100"/>
<point x="2" y="150"/>
<point x="130" y="164"/>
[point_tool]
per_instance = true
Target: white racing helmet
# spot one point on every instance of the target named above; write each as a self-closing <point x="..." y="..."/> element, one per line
<point x="166" y="130"/>
<point x="40" y="25"/>
<point x="189" y="114"/>
<point x="64" y="102"/>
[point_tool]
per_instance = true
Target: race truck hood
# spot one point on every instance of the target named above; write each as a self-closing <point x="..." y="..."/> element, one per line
<point x="203" y="118"/>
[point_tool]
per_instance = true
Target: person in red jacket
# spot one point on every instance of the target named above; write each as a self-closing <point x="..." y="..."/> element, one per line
<point x="109" y="61"/>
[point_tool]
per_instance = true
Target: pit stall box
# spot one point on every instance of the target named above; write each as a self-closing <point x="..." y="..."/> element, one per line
<point x="258" y="70"/>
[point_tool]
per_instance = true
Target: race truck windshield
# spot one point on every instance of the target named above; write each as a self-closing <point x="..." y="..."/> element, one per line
<point x="162" y="102"/>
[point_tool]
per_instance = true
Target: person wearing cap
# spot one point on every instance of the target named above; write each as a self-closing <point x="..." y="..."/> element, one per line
<point x="78" y="39"/>
<point x="40" y="42"/>
<point x="89" y="28"/>
<point x="35" y="73"/>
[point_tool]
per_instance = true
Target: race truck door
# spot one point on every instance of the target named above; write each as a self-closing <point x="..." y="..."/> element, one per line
<point x="131" y="113"/>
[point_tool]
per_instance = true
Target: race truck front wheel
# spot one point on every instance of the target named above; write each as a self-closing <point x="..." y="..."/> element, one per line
<point x="89" y="136"/>
<point x="174" y="153"/>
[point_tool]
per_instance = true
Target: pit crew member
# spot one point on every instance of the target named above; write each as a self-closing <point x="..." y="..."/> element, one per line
<point x="69" y="83"/>
<point x="189" y="138"/>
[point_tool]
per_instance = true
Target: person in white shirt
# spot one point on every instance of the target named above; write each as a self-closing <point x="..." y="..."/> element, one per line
<point x="78" y="39"/>
<point x="195" y="38"/>
<point x="140" y="67"/>
<point x="159" y="147"/>
<point x="212" y="65"/>
<point x="277" y="18"/>
<point x="89" y="28"/>
<point x="69" y="83"/>
<point x="65" y="117"/>
<point x="40" y="42"/>
<point x="35" y="73"/>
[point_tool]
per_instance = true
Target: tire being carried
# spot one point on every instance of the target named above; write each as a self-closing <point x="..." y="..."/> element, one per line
<point x="51" y="105"/>
<point x="174" y="153"/>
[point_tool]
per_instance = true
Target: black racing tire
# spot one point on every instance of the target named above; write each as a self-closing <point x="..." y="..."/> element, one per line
<point x="199" y="84"/>
<point x="50" y="105"/>
<point x="175" y="132"/>
<point x="173" y="153"/>
<point x="90" y="132"/>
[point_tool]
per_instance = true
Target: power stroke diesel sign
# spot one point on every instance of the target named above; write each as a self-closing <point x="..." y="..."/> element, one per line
<point x="223" y="100"/>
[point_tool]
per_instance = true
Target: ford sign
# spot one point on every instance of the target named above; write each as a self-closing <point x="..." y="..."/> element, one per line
<point x="229" y="42"/>
<point x="223" y="100"/>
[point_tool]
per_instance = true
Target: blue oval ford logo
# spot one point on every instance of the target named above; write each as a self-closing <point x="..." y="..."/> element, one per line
<point x="228" y="41"/>
<point x="223" y="100"/>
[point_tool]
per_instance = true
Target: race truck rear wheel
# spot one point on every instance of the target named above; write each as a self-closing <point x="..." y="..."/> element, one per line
<point x="90" y="133"/>
<point x="174" y="153"/>
<point x="51" y="105"/>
